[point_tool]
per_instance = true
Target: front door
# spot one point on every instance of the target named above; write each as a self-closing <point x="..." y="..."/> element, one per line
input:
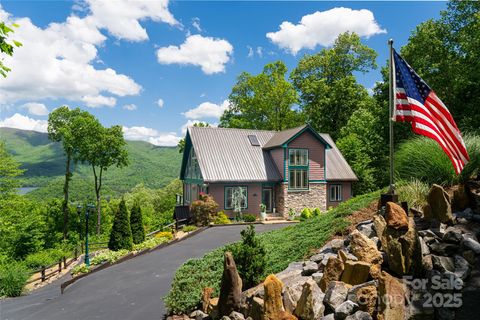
<point x="267" y="198"/>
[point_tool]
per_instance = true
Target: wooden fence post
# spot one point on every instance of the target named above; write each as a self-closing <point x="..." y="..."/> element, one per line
<point x="76" y="253"/>
<point x="81" y="244"/>
<point x="64" y="262"/>
<point x="43" y="274"/>
<point x="60" y="266"/>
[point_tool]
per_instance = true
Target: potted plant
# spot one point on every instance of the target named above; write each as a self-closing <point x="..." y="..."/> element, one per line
<point x="291" y="214"/>
<point x="263" y="211"/>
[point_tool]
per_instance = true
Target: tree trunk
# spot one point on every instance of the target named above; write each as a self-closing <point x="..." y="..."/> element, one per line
<point x="98" y="186"/>
<point x="65" y="210"/>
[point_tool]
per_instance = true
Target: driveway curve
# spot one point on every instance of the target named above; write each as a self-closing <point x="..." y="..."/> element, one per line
<point x="130" y="290"/>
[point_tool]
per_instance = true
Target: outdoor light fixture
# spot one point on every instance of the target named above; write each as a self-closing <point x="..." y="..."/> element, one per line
<point x="88" y="208"/>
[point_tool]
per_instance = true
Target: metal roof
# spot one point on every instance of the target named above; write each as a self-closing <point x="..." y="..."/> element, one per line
<point x="226" y="155"/>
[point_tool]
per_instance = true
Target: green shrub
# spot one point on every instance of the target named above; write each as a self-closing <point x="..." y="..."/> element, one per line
<point x="204" y="210"/>
<point x="108" y="256"/>
<point x="422" y="159"/>
<point x="121" y="234"/>
<point x="136" y="224"/>
<point x="13" y="277"/>
<point x="249" y="256"/>
<point x="247" y="217"/>
<point x="221" y="218"/>
<point x="150" y="243"/>
<point x="80" y="268"/>
<point x="282" y="246"/>
<point x="165" y="234"/>
<point x="414" y="192"/>
<point x="189" y="228"/>
<point x="44" y="258"/>
<point x="316" y="212"/>
<point x="306" y="213"/>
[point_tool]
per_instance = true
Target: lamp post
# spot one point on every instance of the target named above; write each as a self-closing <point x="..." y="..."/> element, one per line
<point x="88" y="208"/>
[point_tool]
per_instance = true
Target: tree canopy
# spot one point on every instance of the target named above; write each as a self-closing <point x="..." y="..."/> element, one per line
<point x="6" y="46"/>
<point x="9" y="173"/>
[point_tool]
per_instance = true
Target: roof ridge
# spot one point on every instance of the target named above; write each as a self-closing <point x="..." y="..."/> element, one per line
<point x="239" y="129"/>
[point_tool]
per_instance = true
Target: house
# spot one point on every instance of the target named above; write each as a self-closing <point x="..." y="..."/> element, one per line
<point x="290" y="169"/>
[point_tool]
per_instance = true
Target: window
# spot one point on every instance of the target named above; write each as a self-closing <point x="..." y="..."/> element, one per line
<point x="253" y="140"/>
<point x="336" y="192"/>
<point x="298" y="179"/>
<point x="298" y="157"/>
<point x="188" y="193"/>
<point x="234" y="194"/>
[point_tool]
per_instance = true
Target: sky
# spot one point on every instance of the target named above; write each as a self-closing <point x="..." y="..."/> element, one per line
<point x="156" y="67"/>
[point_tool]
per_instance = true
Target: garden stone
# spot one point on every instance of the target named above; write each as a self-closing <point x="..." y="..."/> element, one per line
<point x="365" y="295"/>
<point x="309" y="268"/>
<point x="360" y="315"/>
<point x="443" y="249"/>
<point x="230" y="287"/>
<point x="473" y="190"/>
<point x="395" y="216"/>
<point x="256" y="308"/>
<point x="366" y="227"/>
<point x="392" y="297"/>
<point x="443" y="264"/>
<point x="345" y="309"/>
<point x="336" y="293"/>
<point x="364" y="248"/>
<point x="198" y="315"/>
<point x="377" y="242"/>
<point x="273" y="303"/>
<point x="330" y="316"/>
<point x="283" y="315"/>
<point x="380" y="225"/>
<point x="225" y="318"/>
<point x="469" y="255"/>
<point x="317" y="276"/>
<point x="423" y="246"/>
<point x="439" y="202"/>
<point x="206" y="295"/>
<point x="460" y="199"/>
<point x="292" y="293"/>
<point x="427" y="262"/>
<point x="470" y="243"/>
<point x="452" y="235"/>
<point x="427" y="233"/>
<point x="236" y="316"/>
<point x="317" y="257"/>
<point x="337" y="244"/>
<point x="326" y="257"/>
<point x="310" y="305"/>
<point x="355" y="272"/>
<point x="344" y="256"/>
<point x="462" y="268"/>
<point x="332" y="272"/>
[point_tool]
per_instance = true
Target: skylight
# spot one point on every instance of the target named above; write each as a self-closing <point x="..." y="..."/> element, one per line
<point x="253" y="140"/>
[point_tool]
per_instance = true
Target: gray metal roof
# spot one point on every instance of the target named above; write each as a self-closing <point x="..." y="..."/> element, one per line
<point x="338" y="168"/>
<point x="226" y="155"/>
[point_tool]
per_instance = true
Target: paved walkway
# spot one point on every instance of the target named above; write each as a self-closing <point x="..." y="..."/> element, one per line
<point x="129" y="290"/>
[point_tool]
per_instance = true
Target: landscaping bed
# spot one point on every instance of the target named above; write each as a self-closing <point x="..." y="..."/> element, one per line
<point x="282" y="246"/>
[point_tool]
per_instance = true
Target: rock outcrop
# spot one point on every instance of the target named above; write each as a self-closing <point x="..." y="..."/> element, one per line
<point x="230" y="288"/>
<point x="440" y="204"/>
<point x="310" y="305"/>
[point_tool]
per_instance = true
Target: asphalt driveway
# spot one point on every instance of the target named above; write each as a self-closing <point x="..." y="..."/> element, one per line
<point x="129" y="290"/>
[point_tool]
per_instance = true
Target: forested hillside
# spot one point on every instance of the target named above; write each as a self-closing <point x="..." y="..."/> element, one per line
<point x="44" y="163"/>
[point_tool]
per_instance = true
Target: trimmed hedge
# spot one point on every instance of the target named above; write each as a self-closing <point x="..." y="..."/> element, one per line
<point x="282" y="246"/>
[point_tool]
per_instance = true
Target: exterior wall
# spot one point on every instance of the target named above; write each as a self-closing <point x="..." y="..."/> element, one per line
<point x="278" y="158"/>
<point x="316" y="154"/>
<point x="315" y="197"/>
<point x="254" y="198"/>
<point x="346" y="192"/>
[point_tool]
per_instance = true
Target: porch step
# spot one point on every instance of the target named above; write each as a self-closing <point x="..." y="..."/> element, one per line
<point x="272" y="218"/>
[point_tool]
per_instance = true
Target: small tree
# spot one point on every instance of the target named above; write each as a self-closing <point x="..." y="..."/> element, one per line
<point x="239" y="198"/>
<point x="121" y="234"/>
<point x="136" y="224"/>
<point x="204" y="210"/>
<point x="249" y="256"/>
<point x="9" y="173"/>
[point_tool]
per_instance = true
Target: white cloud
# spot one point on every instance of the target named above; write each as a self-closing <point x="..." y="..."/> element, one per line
<point x="323" y="27"/>
<point x="211" y="54"/>
<point x="160" y="103"/>
<point x="207" y="110"/>
<point x="151" y="135"/>
<point x="196" y="24"/>
<point x="130" y="107"/>
<point x="35" y="108"/>
<point x="19" y="121"/>
<point x="260" y="52"/>
<point x="121" y="17"/>
<point x="56" y="61"/>
<point x="250" y="52"/>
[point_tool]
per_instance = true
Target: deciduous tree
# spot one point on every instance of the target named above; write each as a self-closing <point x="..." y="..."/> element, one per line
<point x="9" y="173"/>
<point x="5" y="46"/>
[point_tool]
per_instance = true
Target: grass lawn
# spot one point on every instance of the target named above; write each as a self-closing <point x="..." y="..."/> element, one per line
<point x="283" y="246"/>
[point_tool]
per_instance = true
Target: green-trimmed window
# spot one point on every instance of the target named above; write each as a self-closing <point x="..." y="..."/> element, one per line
<point x="336" y="192"/>
<point x="298" y="179"/>
<point x="298" y="157"/>
<point x="231" y="192"/>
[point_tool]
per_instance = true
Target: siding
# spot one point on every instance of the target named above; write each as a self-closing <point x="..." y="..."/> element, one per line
<point x="346" y="193"/>
<point x="278" y="158"/>
<point x="254" y="197"/>
<point x="316" y="153"/>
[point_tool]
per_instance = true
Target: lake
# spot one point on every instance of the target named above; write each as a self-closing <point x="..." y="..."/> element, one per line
<point x="25" y="190"/>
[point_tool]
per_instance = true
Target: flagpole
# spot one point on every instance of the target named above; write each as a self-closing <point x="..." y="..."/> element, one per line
<point x="390" y="106"/>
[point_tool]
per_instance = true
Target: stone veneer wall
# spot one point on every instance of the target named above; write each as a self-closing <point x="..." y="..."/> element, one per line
<point x="316" y="197"/>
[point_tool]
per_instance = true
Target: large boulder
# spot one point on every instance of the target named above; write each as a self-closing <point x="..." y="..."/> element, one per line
<point x="292" y="292"/>
<point x="336" y="293"/>
<point x="345" y="309"/>
<point x="460" y="199"/>
<point x="310" y="306"/>
<point x="364" y="248"/>
<point x="403" y="249"/>
<point x="395" y="216"/>
<point x="332" y="272"/>
<point x="355" y="272"/>
<point x="365" y="295"/>
<point x="392" y="298"/>
<point x="440" y="204"/>
<point x="273" y="304"/>
<point x="230" y="288"/>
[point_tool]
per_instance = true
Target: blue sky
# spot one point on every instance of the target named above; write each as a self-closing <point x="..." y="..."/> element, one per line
<point x="118" y="59"/>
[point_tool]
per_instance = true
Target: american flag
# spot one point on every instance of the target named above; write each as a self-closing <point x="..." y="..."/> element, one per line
<point x="415" y="102"/>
